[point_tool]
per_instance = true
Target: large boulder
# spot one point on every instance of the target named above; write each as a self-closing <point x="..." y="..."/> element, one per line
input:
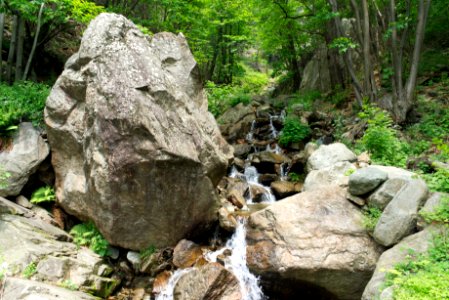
<point x="416" y="243"/>
<point x="366" y="180"/>
<point x="134" y="147"/>
<point x="316" y="239"/>
<point x="329" y="155"/>
<point x="22" y="158"/>
<point x="400" y="216"/>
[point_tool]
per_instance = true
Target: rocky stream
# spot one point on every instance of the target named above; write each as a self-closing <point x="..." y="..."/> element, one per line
<point x="229" y="214"/>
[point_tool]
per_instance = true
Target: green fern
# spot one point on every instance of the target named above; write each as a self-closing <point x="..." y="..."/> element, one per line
<point x="43" y="194"/>
<point x="87" y="235"/>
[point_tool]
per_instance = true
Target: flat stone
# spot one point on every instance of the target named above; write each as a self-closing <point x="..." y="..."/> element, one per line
<point x="329" y="176"/>
<point x="328" y="155"/>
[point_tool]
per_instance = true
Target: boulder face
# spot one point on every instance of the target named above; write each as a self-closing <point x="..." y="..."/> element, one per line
<point x="315" y="238"/>
<point x="27" y="152"/>
<point x="133" y="145"/>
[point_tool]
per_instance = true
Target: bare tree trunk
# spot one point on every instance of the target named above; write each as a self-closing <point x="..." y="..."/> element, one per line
<point x="19" y="52"/>
<point x="33" y="48"/>
<point x="12" y="49"/>
<point x="423" y="12"/>
<point x="370" y="84"/>
<point x="2" y="27"/>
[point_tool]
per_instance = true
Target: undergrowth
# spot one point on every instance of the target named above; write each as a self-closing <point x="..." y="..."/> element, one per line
<point x="425" y="276"/>
<point x="371" y="216"/>
<point x="43" y="194"/>
<point x="87" y="235"/>
<point x="294" y="131"/>
<point x="23" y="101"/>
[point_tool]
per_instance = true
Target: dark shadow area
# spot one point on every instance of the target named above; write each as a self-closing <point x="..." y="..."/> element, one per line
<point x="294" y="290"/>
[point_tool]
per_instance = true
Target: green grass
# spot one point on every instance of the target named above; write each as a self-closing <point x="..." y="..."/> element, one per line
<point x="21" y="102"/>
<point x="29" y="270"/>
<point x="371" y="216"/>
<point x="144" y="254"/>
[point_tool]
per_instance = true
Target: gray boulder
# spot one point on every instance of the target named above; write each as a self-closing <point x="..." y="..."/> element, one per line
<point x="315" y="238"/>
<point x="386" y="192"/>
<point x="366" y="180"/>
<point x="22" y="159"/>
<point x="399" y="217"/>
<point x="22" y="289"/>
<point x="394" y="172"/>
<point x="133" y="145"/>
<point x="27" y="241"/>
<point x="329" y="155"/>
<point x="418" y="243"/>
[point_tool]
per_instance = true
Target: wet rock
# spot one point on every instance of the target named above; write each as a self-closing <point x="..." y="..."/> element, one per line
<point x="386" y="192"/>
<point x="333" y="175"/>
<point x="157" y="262"/>
<point x="186" y="254"/>
<point x="283" y="189"/>
<point x="328" y="155"/>
<point x="399" y="217"/>
<point x="211" y="282"/>
<point x="267" y="179"/>
<point x="258" y="193"/>
<point x="226" y="218"/>
<point x="265" y="162"/>
<point x="314" y="237"/>
<point x="21" y="289"/>
<point x="236" y="198"/>
<point x="418" y="243"/>
<point x="241" y="150"/>
<point x="133" y="144"/>
<point x="161" y="281"/>
<point x="365" y="180"/>
<point x="28" y="150"/>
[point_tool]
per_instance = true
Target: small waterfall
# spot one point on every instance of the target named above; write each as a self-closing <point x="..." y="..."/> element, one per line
<point x="250" y="135"/>
<point x="284" y="171"/>
<point x="236" y="263"/>
<point x="274" y="133"/>
<point x="252" y="178"/>
<point x="167" y="292"/>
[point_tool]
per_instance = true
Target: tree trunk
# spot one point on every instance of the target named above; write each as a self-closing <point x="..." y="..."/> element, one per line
<point x="19" y="52"/>
<point x="33" y="48"/>
<point x="370" y="84"/>
<point x="2" y="26"/>
<point x="12" y="50"/>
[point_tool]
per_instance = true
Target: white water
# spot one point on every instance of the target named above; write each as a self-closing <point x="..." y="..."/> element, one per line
<point x="250" y="135"/>
<point x="236" y="263"/>
<point x="274" y="133"/>
<point x="284" y="171"/>
<point x="252" y="178"/>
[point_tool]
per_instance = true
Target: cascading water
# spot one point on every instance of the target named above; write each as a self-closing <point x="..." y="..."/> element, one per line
<point x="251" y="177"/>
<point x="236" y="263"/>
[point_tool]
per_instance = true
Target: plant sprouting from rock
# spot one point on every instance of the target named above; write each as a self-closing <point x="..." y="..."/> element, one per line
<point x="43" y="194"/>
<point x="86" y="234"/>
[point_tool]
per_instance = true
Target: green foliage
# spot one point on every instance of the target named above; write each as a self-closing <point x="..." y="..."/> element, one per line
<point x="146" y="253"/>
<point x="380" y="139"/>
<point x="294" y="177"/>
<point x="303" y="99"/>
<point x="349" y="172"/>
<point x="68" y="284"/>
<point x="20" y="102"/>
<point x="43" y="194"/>
<point x="371" y="216"/>
<point x="84" y="11"/>
<point x="343" y="44"/>
<point x="424" y="276"/>
<point x="438" y="181"/>
<point x="4" y="177"/>
<point x="3" y="267"/>
<point x="87" y="235"/>
<point x="29" y="270"/>
<point x="293" y="131"/>
<point x="440" y="214"/>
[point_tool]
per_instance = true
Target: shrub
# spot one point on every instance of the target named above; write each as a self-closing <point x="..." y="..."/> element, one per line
<point x="438" y="181"/>
<point x="20" y="102"/>
<point x="29" y="270"/>
<point x="87" y="235"/>
<point x="293" y="131"/>
<point x="43" y="194"/>
<point x="380" y="139"/>
<point x="371" y="216"/>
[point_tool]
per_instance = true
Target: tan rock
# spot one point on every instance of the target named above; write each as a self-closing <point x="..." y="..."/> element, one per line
<point x="186" y="254"/>
<point x="315" y="237"/>
<point x="282" y="189"/>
